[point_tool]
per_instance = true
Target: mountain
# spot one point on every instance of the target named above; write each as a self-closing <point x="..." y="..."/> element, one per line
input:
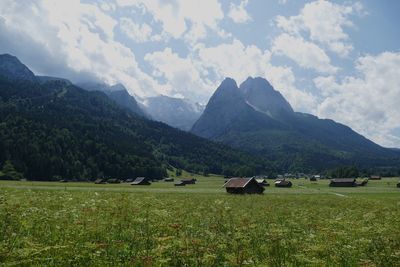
<point x="176" y="112"/>
<point x="55" y="130"/>
<point x="11" y="68"/>
<point x="116" y="92"/>
<point x="256" y="118"/>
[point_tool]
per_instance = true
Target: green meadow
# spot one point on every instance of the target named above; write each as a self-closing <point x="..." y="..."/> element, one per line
<point x="310" y="224"/>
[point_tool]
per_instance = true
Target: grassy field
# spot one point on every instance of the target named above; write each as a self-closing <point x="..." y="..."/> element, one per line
<point x="310" y="224"/>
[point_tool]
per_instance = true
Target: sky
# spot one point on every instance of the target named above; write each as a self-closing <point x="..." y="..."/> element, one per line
<point x="334" y="59"/>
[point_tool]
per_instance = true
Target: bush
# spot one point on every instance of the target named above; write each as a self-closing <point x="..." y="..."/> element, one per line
<point x="9" y="172"/>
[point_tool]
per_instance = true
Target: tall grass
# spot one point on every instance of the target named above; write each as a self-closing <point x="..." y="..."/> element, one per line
<point x="79" y="228"/>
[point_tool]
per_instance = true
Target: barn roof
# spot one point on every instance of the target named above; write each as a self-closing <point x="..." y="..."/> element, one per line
<point x="139" y="180"/>
<point x="237" y="182"/>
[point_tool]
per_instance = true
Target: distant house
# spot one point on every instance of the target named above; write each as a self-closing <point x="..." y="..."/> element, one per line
<point x="362" y="183"/>
<point x="141" y="181"/>
<point x="375" y="177"/>
<point x="113" y="181"/>
<point x="243" y="186"/>
<point x="343" y="182"/>
<point x="283" y="183"/>
<point x="262" y="182"/>
<point x="313" y="178"/>
<point x="179" y="184"/>
<point x="168" y="179"/>
<point x="100" y="181"/>
<point x="189" y="181"/>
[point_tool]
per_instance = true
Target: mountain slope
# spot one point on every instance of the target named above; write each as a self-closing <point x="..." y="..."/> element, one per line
<point x="178" y="113"/>
<point x="256" y="118"/>
<point x="55" y="130"/>
<point x="11" y="68"/>
<point x="118" y="93"/>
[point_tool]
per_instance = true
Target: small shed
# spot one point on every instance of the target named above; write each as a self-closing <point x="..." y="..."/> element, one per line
<point x="343" y="182"/>
<point x="100" y="181"/>
<point x="179" y="184"/>
<point x="141" y="181"/>
<point x="262" y="182"/>
<point x="283" y="183"/>
<point x="189" y="181"/>
<point x="113" y="181"/>
<point x="168" y="179"/>
<point x="243" y="186"/>
<point x="375" y="177"/>
<point x="362" y="183"/>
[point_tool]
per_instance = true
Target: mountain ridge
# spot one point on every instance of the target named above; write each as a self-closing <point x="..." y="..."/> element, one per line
<point x="254" y="117"/>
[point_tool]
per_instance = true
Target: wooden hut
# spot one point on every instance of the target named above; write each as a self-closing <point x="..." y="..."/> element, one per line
<point x="243" y="186"/>
<point x="168" y="179"/>
<point x="343" y="182"/>
<point x="375" y="177"/>
<point x="100" y="181"/>
<point x="189" y="181"/>
<point x="141" y="181"/>
<point x="362" y="183"/>
<point x="179" y="184"/>
<point x="262" y="182"/>
<point x="283" y="183"/>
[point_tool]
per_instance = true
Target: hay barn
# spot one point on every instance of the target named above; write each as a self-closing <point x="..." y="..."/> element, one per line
<point x="375" y="177"/>
<point x="283" y="183"/>
<point x="262" y="182"/>
<point x="243" y="186"/>
<point x="141" y="181"/>
<point x="180" y="184"/>
<point x="343" y="182"/>
<point x="189" y="181"/>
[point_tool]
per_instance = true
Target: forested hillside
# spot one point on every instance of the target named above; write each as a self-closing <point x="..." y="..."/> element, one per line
<point x="56" y="130"/>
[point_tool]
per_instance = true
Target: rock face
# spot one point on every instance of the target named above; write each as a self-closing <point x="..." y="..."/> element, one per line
<point x="257" y="118"/>
<point x="12" y="69"/>
<point x="260" y="95"/>
<point x="176" y="112"/>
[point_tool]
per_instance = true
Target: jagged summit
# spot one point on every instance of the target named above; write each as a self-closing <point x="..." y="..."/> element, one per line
<point x="260" y="95"/>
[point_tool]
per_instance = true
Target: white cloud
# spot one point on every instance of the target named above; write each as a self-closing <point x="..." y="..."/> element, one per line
<point x="325" y="23"/>
<point x="305" y="54"/>
<point x="184" y="76"/>
<point x="238" y="13"/>
<point x="174" y="16"/>
<point x="368" y="102"/>
<point x="136" y="32"/>
<point x="73" y="39"/>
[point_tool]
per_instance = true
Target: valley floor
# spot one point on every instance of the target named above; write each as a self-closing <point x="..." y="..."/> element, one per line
<point x="310" y="224"/>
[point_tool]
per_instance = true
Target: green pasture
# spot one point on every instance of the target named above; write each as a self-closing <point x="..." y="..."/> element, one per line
<point x="310" y="224"/>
